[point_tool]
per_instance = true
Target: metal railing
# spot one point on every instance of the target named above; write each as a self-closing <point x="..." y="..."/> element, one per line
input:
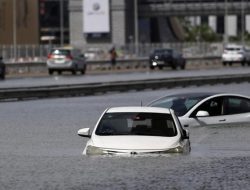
<point x="33" y="53"/>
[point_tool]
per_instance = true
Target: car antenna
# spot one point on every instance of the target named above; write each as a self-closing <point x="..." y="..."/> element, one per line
<point x="141" y="103"/>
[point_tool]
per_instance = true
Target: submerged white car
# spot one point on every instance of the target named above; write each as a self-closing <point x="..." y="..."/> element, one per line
<point x="204" y="109"/>
<point x="136" y="130"/>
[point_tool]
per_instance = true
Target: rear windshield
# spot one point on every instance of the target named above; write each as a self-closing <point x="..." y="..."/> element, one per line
<point x="60" y="52"/>
<point x="234" y="49"/>
<point x="146" y="124"/>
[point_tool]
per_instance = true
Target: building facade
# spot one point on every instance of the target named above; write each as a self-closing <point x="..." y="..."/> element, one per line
<point x="34" y="22"/>
<point x="24" y="29"/>
<point x="158" y="20"/>
<point x="120" y="18"/>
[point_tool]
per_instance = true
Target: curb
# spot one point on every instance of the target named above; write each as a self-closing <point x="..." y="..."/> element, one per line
<point x="74" y="90"/>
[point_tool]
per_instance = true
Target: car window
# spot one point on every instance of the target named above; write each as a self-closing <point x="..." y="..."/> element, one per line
<point x="181" y="105"/>
<point x="163" y="51"/>
<point x="212" y="106"/>
<point x="146" y="124"/>
<point x="235" y="105"/>
<point x="234" y="49"/>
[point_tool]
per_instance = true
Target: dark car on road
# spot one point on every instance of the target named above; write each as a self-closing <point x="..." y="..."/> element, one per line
<point x="166" y="58"/>
<point x="2" y="69"/>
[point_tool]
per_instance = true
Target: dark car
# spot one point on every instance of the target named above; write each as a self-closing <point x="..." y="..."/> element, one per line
<point x="166" y="58"/>
<point x="66" y="59"/>
<point x="2" y="69"/>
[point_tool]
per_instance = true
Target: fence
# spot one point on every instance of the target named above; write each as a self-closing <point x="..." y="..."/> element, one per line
<point x="33" y="53"/>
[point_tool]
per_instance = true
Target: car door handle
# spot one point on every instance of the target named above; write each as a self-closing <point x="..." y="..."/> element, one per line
<point x="222" y="120"/>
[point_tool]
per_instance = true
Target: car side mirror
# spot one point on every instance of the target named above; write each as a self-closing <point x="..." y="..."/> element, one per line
<point x="85" y="132"/>
<point x="202" y="113"/>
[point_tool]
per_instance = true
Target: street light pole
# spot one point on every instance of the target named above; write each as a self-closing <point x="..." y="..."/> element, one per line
<point x="136" y="26"/>
<point x="242" y="23"/>
<point x="61" y="23"/>
<point x="226" y="24"/>
<point x="14" y="30"/>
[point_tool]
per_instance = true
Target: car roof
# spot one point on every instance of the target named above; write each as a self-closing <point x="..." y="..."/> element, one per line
<point x="65" y="47"/>
<point x="141" y="109"/>
<point x="193" y="94"/>
<point x="197" y="95"/>
<point x="163" y="49"/>
<point x="234" y="46"/>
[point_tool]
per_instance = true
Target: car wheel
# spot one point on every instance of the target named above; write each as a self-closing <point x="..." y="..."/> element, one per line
<point x="248" y="63"/>
<point x="173" y="67"/>
<point x="183" y="66"/>
<point x="50" y="71"/>
<point x="243" y="63"/>
<point x="224" y="63"/>
<point x="83" y="71"/>
<point x="160" y="67"/>
<point x="230" y="64"/>
<point x="59" y="72"/>
<point x="2" y="76"/>
<point x="152" y="67"/>
<point x="73" y="72"/>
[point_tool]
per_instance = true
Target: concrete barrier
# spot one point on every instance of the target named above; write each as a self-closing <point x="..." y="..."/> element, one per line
<point x="56" y="91"/>
<point x="39" y="67"/>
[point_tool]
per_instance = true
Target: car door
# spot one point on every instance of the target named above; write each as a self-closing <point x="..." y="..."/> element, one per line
<point x="214" y="108"/>
<point x="236" y="109"/>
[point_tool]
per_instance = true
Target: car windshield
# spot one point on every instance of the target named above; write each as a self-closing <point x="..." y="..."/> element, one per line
<point x="181" y="104"/>
<point x="162" y="51"/>
<point x="145" y="124"/>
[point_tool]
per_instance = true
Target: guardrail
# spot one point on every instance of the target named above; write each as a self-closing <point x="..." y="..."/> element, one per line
<point x="56" y="91"/>
<point x="102" y="65"/>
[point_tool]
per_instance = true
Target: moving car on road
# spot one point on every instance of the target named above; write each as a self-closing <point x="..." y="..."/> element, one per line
<point x="236" y="54"/>
<point x="166" y="58"/>
<point x="136" y="130"/>
<point x="66" y="59"/>
<point x="203" y="109"/>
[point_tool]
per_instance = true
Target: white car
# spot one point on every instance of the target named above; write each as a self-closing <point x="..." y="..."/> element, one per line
<point x="136" y="130"/>
<point x="66" y="59"/>
<point x="235" y="54"/>
<point x="204" y="109"/>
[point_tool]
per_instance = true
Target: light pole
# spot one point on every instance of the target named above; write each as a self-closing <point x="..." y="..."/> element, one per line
<point x="61" y="23"/>
<point x="14" y="30"/>
<point x="226" y="24"/>
<point x="242" y="23"/>
<point x="136" y="26"/>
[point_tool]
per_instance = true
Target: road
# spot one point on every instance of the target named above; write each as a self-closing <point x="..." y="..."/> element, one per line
<point x="40" y="148"/>
<point x="96" y="78"/>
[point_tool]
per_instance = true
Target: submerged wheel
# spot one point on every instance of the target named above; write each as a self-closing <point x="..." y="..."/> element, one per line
<point x="51" y="71"/>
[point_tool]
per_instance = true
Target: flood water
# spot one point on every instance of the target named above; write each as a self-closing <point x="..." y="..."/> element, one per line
<point x="40" y="149"/>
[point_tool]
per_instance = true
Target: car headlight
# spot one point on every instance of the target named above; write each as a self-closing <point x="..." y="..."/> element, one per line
<point x="154" y="63"/>
<point x="92" y="150"/>
<point x="177" y="149"/>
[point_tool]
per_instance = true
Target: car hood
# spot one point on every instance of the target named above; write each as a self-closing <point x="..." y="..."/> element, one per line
<point x="136" y="143"/>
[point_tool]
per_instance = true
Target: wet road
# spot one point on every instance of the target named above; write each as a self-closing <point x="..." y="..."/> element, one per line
<point x="40" y="149"/>
<point x="97" y="78"/>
